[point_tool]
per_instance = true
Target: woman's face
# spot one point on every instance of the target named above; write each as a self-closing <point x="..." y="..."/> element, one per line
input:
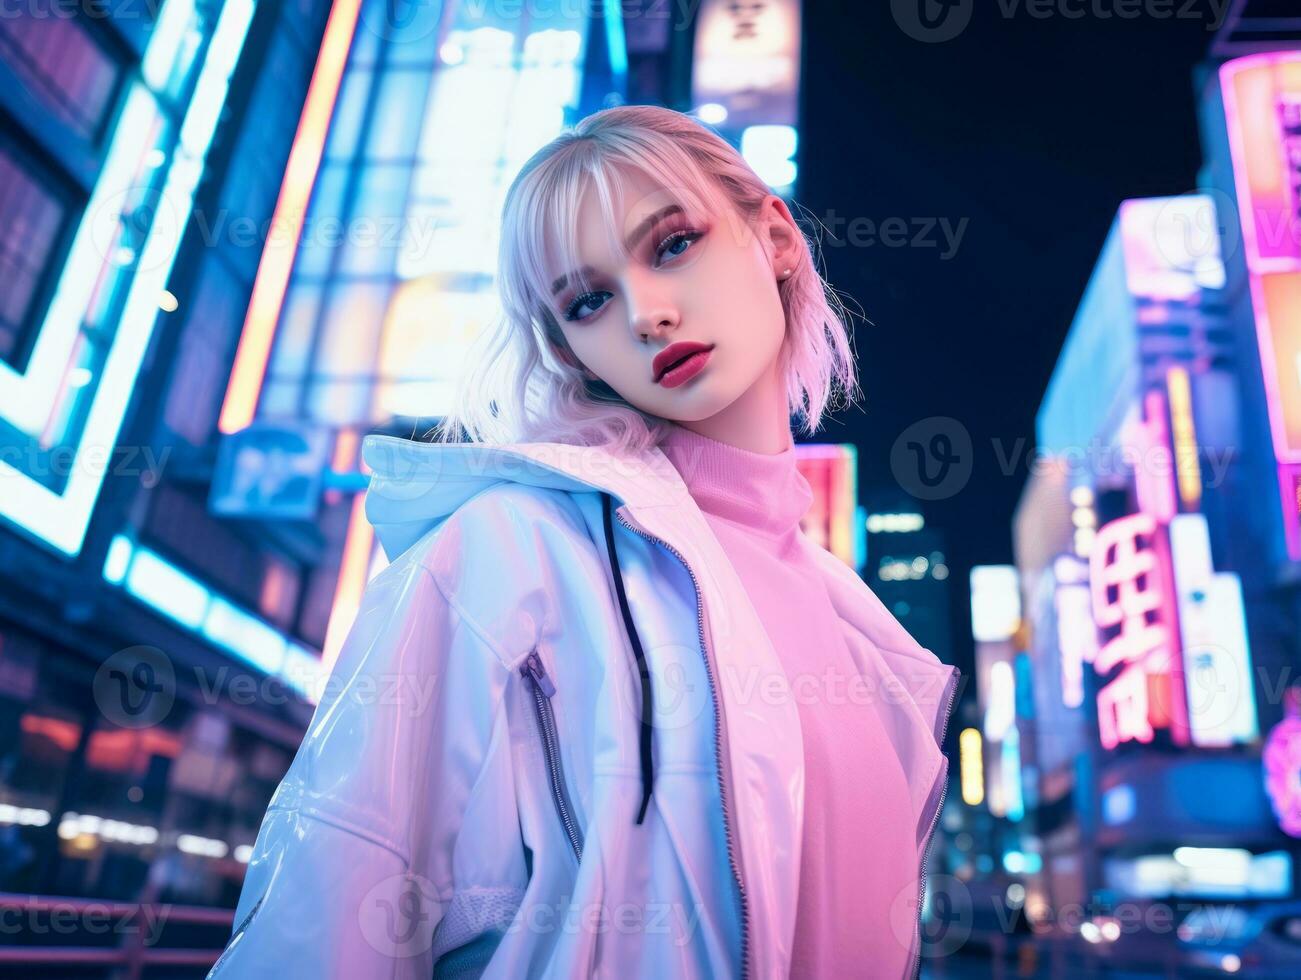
<point x="711" y="283"/>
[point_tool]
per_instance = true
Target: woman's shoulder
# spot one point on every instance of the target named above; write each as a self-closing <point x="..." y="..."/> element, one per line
<point x="507" y="511"/>
<point x="504" y="538"/>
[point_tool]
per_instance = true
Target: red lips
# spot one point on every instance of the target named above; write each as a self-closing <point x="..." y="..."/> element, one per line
<point x="673" y="353"/>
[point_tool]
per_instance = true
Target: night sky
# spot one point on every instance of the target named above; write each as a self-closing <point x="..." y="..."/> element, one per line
<point x="1031" y="131"/>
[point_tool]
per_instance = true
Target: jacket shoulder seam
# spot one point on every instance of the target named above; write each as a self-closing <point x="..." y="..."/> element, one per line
<point x="339" y="822"/>
<point x="509" y="659"/>
<point x="481" y="634"/>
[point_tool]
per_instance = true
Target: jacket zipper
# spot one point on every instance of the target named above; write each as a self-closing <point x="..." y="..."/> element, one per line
<point x="930" y="831"/>
<point x="543" y="688"/>
<point x="718" y="741"/>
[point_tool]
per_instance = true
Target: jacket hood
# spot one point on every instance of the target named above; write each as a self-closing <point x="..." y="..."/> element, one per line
<point x="415" y="486"/>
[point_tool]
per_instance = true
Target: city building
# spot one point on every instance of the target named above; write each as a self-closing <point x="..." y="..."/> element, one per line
<point x="136" y="765"/>
<point x="907" y="567"/>
<point x="1153" y="616"/>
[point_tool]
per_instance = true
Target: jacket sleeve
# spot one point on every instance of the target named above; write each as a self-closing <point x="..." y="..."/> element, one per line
<point x="359" y="854"/>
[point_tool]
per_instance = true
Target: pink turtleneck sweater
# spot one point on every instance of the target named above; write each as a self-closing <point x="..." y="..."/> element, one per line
<point x="858" y="867"/>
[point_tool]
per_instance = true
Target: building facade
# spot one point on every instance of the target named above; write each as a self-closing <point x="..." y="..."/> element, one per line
<point x="1158" y="627"/>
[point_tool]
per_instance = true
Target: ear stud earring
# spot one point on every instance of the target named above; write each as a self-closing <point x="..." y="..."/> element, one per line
<point x="786" y="273"/>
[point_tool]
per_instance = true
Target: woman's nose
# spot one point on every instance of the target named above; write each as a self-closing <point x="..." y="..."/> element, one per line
<point x="651" y="314"/>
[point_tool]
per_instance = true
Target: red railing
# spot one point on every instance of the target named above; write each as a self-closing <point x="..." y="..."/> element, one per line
<point x="129" y="921"/>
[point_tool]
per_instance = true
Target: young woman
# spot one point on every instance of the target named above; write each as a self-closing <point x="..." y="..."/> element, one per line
<point x="608" y="711"/>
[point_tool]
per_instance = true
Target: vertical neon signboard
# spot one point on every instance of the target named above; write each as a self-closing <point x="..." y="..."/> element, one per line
<point x="832" y="472"/>
<point x="118" y="264"/>
<point x="1282" y="763"/>
<point x="1262" y="109"/>
<point x="1077" y="639"/>
<point x="1213" y="631"/>
<point x="1133" y="603"/>
<point x="971" y="754"/>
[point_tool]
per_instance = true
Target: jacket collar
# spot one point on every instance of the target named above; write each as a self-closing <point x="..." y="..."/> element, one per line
<point x="414" y="486"/>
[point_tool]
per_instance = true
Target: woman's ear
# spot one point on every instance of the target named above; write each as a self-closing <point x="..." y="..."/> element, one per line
<point x="784" y="237"/>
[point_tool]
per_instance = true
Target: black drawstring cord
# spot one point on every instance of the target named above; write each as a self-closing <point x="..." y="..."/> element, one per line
<point x="647" y="769"/>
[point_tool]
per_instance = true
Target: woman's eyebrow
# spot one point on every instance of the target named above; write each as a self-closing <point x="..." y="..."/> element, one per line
<point x="630" y="243"/>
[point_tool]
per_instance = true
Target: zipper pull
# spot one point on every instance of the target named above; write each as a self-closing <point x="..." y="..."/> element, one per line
<point x="533" y="667"/>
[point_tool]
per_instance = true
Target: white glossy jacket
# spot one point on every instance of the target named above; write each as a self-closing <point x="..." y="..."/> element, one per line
<point x="447" y="815"/>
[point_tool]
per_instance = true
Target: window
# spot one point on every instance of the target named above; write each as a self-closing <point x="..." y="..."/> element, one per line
<point x="213" y="318"/>
<point x="32" y="220"/>
<point x="61" y="62"/>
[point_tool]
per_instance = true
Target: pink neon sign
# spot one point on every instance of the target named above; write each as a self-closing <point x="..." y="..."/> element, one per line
<point x="1262" y="111"/>
<point x="1282" y="761"/>
<point x="1133" y="600"/>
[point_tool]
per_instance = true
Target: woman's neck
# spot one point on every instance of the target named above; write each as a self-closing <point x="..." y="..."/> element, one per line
<point x="758" y="421"/>
<point x="762" y="491"/>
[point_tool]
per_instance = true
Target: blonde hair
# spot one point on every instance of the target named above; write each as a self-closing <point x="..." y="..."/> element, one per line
<point x="517" y="388"/>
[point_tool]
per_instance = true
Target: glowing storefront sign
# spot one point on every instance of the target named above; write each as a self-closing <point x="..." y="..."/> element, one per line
<point x="972" y="764"/>
<point x="1077" y="637"/>
<point x="1153" y="469"/>
<point x="995" y="602"/>
<point x="747" y="62"/>
<point x="1262" y="109"/>
<point x="1282" y="761"/>
<point x="130" y="230"/>
<point x="1213" y="628"/>
<point x="153" y="580"/>
<point x="1133" y="601"/>
<point x="746" y="81"/>
<point x="1000" y="710"/>
<point x="256" y="338"/>
<point x="1172" y="247"/>
<point x="832" y="473"/>
<point x="1188" y="469"/>
<point x="1013" y="799"/>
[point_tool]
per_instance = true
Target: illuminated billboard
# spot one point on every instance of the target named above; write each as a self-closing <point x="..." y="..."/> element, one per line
<point x="832" y="519"/>
<point x="746" y="81"/>
<point x="1213" y="630"/>
<point x="365" y="308"/>
<point x="1262" y="111"/>
<point x="1139" y="657"/>
<point x="61" y="414"/>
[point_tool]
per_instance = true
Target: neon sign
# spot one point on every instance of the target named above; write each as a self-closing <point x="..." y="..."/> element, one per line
<point x="1077" y="639"/>
<point x="1213" y="630"/>
<point x="1188" y="468"/>
<point x="129" y="233"/>
<point x="1262" y="110"/>
<point x="832" y="473"/>
<point x="1282" y="761"/>
<point x="972" y="758"/>
<point x="1133" y="601"/>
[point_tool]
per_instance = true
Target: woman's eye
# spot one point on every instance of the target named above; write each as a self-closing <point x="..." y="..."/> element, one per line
<point x="672" y="246"/>
<point x="585" y="300"/>
<point x="677" y="243"/>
